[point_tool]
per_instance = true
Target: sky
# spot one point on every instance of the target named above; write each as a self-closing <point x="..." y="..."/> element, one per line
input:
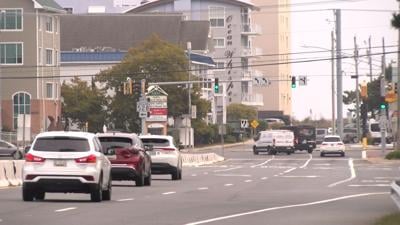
<point x="311" y="31"/>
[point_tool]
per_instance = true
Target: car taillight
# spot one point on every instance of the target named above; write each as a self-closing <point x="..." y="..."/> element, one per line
<point x="87" y="159"/>
<point x="168" y="149"/>
<point x="32" y="158"/>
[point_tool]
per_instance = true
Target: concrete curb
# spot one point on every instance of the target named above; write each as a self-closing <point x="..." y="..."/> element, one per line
<point x="250" y="141"/>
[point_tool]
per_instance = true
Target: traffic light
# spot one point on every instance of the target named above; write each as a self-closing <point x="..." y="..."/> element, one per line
<point x="364" y="91"/>
<point x="382" y="105"/>
<point x="293" y="82"/>
<point x="216" y="85"/>
<point x="137" y="87"/>
<point x="395" y="87"/>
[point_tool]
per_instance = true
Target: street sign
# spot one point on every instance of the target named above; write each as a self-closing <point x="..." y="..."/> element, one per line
<point x="142" y="114"/>
<point x="142" y="106"/>
<point x="254" y="124"/>
<point x="302" y="80"/>
<point x="244" y="124"/>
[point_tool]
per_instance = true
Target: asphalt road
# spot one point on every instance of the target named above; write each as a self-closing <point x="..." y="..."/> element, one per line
<point x="301" y="189"/>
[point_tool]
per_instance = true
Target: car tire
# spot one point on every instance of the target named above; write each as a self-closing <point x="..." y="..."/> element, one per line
<point x="175" y="174"/>
<point x="255" y="152"/>
<point x="343" y="154"/>
<point x="27" y="194"/>
<point x="107" y="193"/>
<point x="97" y="193"/>
<point x="322" y="154"/>
<point x="17" y="155"/>
<point x="180" y="174"/>
<point x="40" y="195"/>
<point x="288" y="153"/>
<point x="309" y="151"/>
<point x="139" y="180"/>
<point x="147" y="180"/>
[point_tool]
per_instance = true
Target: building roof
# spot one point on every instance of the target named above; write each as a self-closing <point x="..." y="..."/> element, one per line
<point x="115" y="57"/>
<point x="152" y="3"/>
<point x="123" y="32"/>
<point x="50" y="5"/>
<point x="84" y="6"/>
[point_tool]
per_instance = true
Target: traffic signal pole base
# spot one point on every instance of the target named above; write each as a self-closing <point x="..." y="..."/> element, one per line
<point x="364" y="143"/>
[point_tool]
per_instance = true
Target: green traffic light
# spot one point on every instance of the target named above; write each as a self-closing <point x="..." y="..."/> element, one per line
<point x="383" y="106"/>
<point x="293" y="86"/>
<point x="216" y="88"/>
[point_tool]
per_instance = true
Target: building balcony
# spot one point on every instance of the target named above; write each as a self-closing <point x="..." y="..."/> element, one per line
<point x="251" y="29"/>
<point x="252" y="99"/>
<point x="251" y="52"/>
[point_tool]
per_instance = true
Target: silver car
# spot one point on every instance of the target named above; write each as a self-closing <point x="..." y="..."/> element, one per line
<point x="66" y="162"/>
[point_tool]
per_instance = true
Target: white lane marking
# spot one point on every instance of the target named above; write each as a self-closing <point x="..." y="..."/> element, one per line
<point x="322" y="168"/>
<point x="233" y="168"/>
<point x="322" y="164"/>
<point x="364" y="155"/>
<point x="169" y="193"/>
<point x="205" y="173"/>
<point x="194" y="175"/>
<point x="311" y="176"/>
<point x="233" y="175"/>
<point x="285" y="207"/>
<point x="1" y="220"/>
<point x="276" y="167"/>
<point x="262" y="164"/>
<point x="248" y="181"/>
<point x="65" y="209"/>
<point x="125" y="200"/>
<point x="264" y="178"/>
<point x="307" y="162"/>
<point x="202" y="188"/>
<point x="353" y="174"/>
<point x="391" y="178"/>
<point x="376" y="181"/>
<point x="369" y="185"/>
<point x="227" y="185"/>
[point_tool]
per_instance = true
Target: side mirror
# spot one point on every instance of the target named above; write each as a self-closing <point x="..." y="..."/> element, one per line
<point x="148" y="147"/>
<point x="27" y="148"/>
<point x="110" y="151"/>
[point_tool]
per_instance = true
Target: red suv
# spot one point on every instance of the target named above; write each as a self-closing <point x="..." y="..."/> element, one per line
<point x="128" y="157"/>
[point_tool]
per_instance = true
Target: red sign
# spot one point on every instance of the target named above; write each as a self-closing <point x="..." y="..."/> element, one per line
<point x="158" y="111"/>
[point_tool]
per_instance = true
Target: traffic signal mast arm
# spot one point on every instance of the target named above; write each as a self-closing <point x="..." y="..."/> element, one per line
<point x="199" y="82"/>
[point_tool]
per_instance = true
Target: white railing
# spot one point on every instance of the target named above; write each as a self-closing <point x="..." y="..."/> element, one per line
<point x="251" y="52"/>
<point x="395" y="193"/>
<point x="251" y="28"/>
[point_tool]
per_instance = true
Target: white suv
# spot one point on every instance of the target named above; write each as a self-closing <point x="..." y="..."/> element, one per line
<point x="66" y="162"/>
<point x="166" y="158"/>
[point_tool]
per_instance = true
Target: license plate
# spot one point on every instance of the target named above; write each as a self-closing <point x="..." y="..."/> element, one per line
<point x="60" y="163"/>
<point x="154" y="152"/>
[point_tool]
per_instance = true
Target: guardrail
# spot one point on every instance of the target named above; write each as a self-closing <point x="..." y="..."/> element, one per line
<point x="395" y="192"/>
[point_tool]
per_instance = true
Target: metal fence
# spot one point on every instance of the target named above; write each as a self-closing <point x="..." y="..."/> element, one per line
<point x="395" y="193"/>
<point x="9" y="137"/>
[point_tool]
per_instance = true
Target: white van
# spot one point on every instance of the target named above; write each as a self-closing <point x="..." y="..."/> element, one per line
<point x="274" y="141"/>
<point x="374" y="131"/>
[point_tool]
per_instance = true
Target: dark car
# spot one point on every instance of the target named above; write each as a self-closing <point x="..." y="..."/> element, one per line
<point x="128" y="157"/>
<point x="304" y="137"/>
<point x="9" y="150"/>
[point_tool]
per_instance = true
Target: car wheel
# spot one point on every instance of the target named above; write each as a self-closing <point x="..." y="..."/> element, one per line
<point x="147" y="180"/>
<point x="288" y="153"/>
<point x="175" y="174"/>
<point x="343" y="154"/>
<point x="40" y="195"/>
<point x="310" y="151"/>
<point x="27" y="194"/>
<point x="255" y="152"/>
<point x="97" y="192"/>
<point x="180" y="174"/>
<point x="322" y="154"/>
<point x="107" y="193"/>
<point x="17" y="155"/>
<point x="140" y="179"/>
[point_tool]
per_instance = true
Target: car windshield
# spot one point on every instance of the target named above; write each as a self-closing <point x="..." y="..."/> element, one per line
<point x="350" y="131"/>
<point x="115" y="142"/>
<point x="156" y="142"/>
<point x="331" y="139"/>
<point x="61" y="144"/>
<point x="320" y="132"/>
<point x="375" y="127"/>
<point x="306" y="132"/>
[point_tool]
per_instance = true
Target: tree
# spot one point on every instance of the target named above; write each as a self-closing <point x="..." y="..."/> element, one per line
<point x="84" y="103"/>
<point x="236" y="112"/>
<point x="156" y="61"/>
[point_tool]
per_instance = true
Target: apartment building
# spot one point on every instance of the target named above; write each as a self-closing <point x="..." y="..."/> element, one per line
<point x="274" y="19"/>
<point x="29" y="59"/>
<point x="232" y="31"/>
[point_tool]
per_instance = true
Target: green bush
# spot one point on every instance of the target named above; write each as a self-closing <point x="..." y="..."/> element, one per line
<point x="203" y="133"/>
<point x="393" y="155"/>
<point x="230" y="139"/>
<point x="392" y="219"/>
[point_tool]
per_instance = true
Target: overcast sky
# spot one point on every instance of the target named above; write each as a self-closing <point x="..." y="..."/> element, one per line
<point x="314" y="28"/>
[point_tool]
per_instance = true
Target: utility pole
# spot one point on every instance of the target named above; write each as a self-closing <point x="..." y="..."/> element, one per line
<point x="333" y="80"/>
<point x="369" y="59"/>
<point x="398" y="93"/>
<point x="383" y="120"/>
<point x="143" y="96"/>
<point x="357" y="89"/>
<point x="339" y="79"/>
<point x="189" y="49"/>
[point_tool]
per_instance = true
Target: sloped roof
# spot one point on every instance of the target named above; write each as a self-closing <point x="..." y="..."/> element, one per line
<point x="123" y="32"/>
<point x="50" y="5"/>
<point x="82" y="6"/>
<point x="153" y="3"/>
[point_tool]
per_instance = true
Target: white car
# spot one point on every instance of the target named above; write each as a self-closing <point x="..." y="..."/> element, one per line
<point x="332" y="144"/>
<point x="166" y="157"/>
<point x="66" y="162"/>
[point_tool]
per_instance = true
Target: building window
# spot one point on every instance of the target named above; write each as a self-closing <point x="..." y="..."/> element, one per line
<point x="11" y="53"/>
<point x="10" y="19"/>
<point x="49" y="24"/>
<point x="219" y="42"/>
<point x="49" y="90"/>
<point x="217" y="16"/>
<point x="55" y="25"/>
<point x="219" y="65"/>
<point x="40" y="60"/>
<point x="49" y="56"/>
<point x="21" y="105"/>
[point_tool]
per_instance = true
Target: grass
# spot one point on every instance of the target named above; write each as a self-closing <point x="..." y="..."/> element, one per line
<point x="393" y="155"/>
<point x="392" y="219"/>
